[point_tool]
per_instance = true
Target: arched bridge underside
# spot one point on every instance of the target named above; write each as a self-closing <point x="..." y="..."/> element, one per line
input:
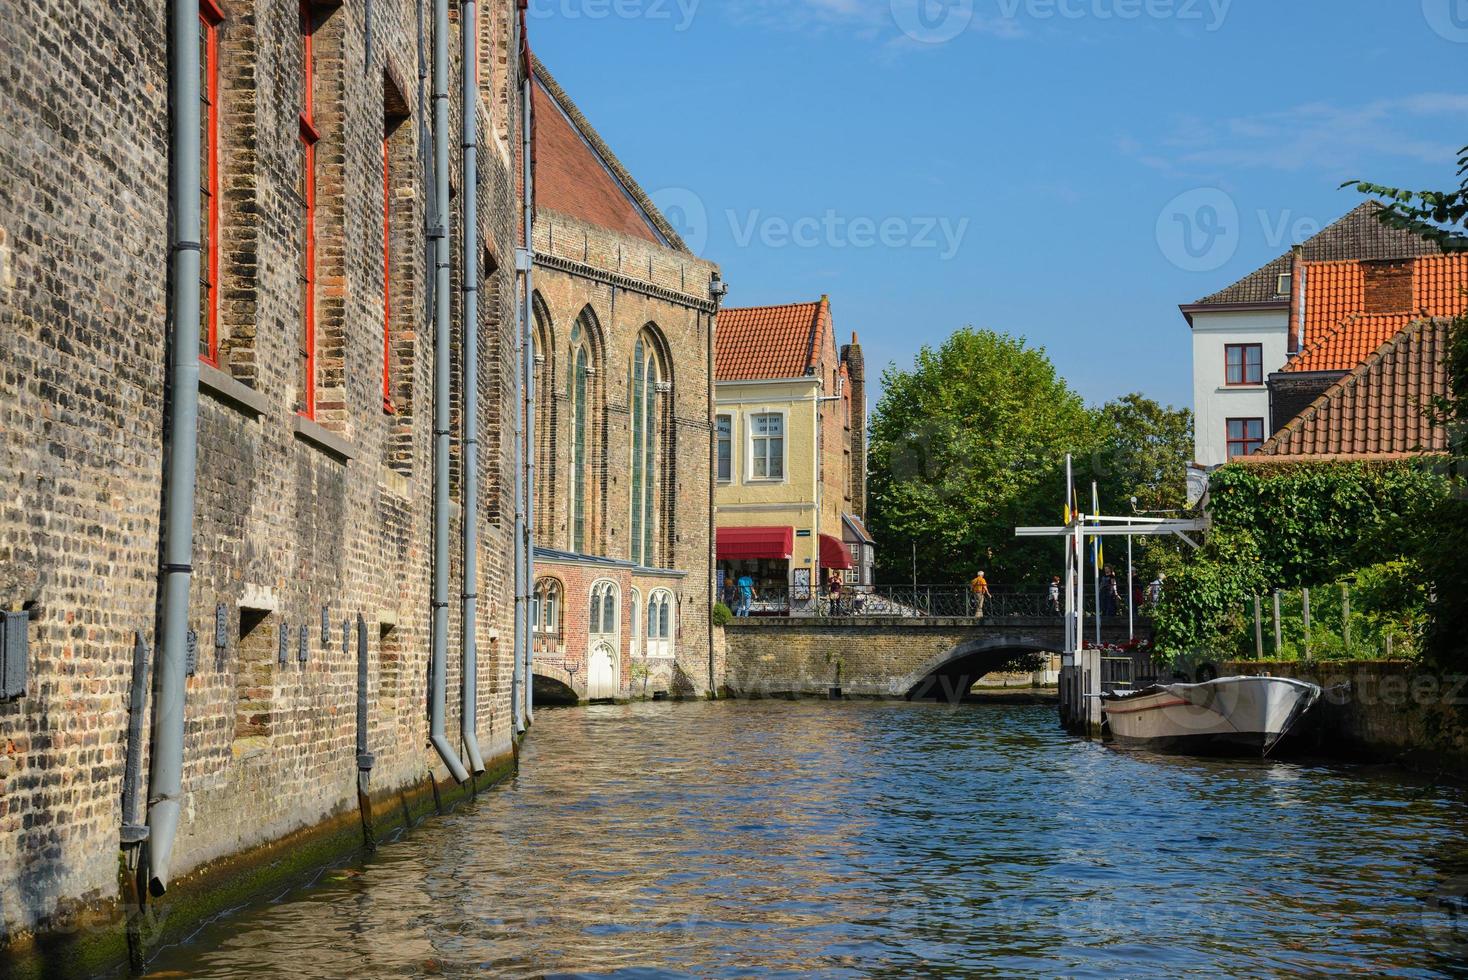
<point x="935" y="659"/>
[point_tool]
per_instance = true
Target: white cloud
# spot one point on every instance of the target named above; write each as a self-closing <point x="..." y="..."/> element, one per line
<point x="870" y="20"/>
<point x="1333" y="139"/>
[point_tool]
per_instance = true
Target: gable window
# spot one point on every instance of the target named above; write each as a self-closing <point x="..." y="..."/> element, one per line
<point x="210" y="17"/>
<point x="767" y="446"/>
<point x="1244" y="364"/>
<point x="1245" y="436"/>
<point x="725" y="431"/>
<point x="306" y="200"/>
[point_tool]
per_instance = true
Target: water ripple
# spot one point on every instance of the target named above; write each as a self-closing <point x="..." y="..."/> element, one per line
<point x="799" y="839"/>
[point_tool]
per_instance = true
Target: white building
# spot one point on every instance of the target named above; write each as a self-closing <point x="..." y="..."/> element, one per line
<point x="1249" y="379"/>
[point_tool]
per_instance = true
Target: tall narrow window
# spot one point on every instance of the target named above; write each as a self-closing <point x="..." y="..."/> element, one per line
<point x="725" y="427"/>
<point x="306" y="193"/>
<point x="646" y="380"/>
<point x="603" y="618"/>
<point x="210" y="17"/>
<point x="547" y="617"/>
<point x="387" y="405"/>
<point x="579" y="367"/>
<point x="767" y="446"/>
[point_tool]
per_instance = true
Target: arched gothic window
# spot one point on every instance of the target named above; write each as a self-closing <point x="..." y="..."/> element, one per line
<point x="634" y="609"/>
<point x="660" y="615"/>
<point x="581" y="370"/>
<point x="602" y="620"/>
<point x="647" y="389"/>
<point x="545" y="607"/>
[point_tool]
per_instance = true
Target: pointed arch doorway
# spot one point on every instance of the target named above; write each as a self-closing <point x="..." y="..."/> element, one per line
<point x="602" y="683"/>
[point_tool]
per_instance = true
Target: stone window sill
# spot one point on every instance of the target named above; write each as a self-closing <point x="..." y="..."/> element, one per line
<point x="226" y="390"/>
<point x="322" y="438"/>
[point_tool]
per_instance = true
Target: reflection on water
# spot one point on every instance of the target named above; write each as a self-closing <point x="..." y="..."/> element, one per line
<point x="856" y="839"/>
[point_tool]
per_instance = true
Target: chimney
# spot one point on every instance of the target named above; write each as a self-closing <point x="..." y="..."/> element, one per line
<point x="856" y="370"/>
<point x="1297" y="298"/>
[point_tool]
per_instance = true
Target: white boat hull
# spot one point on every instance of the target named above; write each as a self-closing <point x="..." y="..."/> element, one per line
<point x="1228" y="714"/>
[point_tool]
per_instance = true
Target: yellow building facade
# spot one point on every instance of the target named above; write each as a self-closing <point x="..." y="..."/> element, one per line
<point x="790" y="418"/>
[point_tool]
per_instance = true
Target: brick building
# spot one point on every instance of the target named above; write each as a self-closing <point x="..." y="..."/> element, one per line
<point x="624" y="324"/>
<point x="314" y="505"/>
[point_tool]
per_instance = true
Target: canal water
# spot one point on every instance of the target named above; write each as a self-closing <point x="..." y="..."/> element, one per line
<point x="855" y="839"/>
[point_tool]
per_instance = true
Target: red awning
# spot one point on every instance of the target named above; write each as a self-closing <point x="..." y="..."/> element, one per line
<point x="834" y="553"/>
<point x="742" y="543"/>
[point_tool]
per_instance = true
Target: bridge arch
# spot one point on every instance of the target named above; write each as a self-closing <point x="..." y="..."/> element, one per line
<point x="554" y="685"/>
<point x="950" y="675"/>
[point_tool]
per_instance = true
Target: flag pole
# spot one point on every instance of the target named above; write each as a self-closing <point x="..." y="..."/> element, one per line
<point x="1096" y="560"/>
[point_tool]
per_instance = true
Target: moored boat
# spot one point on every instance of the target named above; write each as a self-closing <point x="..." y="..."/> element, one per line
<point x="1230" y="714"/>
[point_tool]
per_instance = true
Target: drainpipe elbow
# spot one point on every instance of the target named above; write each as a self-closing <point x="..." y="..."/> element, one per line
<point x="163" y="828"/>
<point x="450" y="758"/>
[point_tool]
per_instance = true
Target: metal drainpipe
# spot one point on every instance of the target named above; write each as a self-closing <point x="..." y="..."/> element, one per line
<point x="717" y="290"/>
<point x="165" y="778"/>
<point x="516" y="662"/>
<point x="469" y="689"/>
<point x="442" y="378"/>
<point x="528" y="367"/>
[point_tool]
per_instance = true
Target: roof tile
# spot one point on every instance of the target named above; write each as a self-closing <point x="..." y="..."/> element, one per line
<point x="765" y="342"/>
<point x="1381" y="408"/>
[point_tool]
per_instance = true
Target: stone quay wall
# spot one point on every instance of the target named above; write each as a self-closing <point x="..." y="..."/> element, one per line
<point x="1380" y="711"/>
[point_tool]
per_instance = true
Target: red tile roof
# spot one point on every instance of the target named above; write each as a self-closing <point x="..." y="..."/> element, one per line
<point x="577" y="174"/>
<point x="570" y="179"/>
<point x="764" y="342"/>
<point x="1349" y="344"/>
<point x="1338" y="331"/>
<point x="1380" y="408"/>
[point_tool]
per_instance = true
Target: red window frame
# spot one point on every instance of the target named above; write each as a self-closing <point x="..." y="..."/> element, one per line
<point x="210" y="17"/>
<point x="387" y="404"/>
<point x="309" y="138"/>
<point x="1245" y="377"/>
<point x="1245" y="443"/>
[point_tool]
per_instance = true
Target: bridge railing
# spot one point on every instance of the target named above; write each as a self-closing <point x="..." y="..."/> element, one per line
<point x="906" y="601"/>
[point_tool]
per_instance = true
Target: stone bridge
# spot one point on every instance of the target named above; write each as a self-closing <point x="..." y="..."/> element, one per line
<point x="929" y="658"/>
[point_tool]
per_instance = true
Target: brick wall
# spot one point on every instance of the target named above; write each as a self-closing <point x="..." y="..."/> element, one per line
<point x="291" y="521"/>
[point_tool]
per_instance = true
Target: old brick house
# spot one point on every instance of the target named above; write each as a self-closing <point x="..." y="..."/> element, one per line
<point x="314" y="508"/>
<point x="624" y="323"/>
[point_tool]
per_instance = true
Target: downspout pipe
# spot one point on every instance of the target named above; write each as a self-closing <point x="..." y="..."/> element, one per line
<point x="442" y="378"/>
<point x="469" y="249"/>
<point x="165" y="776"/>
<point x="527" y="315"/>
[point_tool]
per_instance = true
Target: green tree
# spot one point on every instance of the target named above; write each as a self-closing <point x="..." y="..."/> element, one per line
<point x="1142" y="453"/>
<point x="1439" y="216"/>
<point x="965" y="446"/>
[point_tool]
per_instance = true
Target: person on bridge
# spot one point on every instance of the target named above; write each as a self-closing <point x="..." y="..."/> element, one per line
<point x="746" y="595"/>
<point x="1052" y="597"/>
<point x="980" y="588"/>
<point x="1154" y="591"/>
<point x="1110" y="597"/>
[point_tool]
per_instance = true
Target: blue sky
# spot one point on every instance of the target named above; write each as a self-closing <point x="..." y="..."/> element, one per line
<point x="1065" y="170"/>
